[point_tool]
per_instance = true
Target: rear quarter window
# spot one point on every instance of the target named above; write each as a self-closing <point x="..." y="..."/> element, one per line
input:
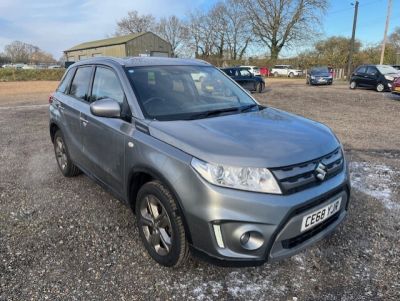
<point x="65" y="81"/>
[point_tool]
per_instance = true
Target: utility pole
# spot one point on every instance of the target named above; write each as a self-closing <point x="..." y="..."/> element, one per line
<point x="353" y="36"/>
<point x="389" y="11"/>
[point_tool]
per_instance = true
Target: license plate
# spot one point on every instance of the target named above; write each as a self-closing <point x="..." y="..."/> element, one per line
<point x="318" y="216"/>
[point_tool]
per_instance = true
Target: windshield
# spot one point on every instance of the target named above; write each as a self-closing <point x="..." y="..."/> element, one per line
<point x="320" y="70"/>
<point x="186" y="92"/>
<point x="387" y="69"/>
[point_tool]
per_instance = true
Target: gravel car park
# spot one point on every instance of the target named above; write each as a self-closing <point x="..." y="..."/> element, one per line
<point x="69" y="239"/>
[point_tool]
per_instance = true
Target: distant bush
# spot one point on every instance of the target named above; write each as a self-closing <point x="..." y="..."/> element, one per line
<point x="8" y="74"/>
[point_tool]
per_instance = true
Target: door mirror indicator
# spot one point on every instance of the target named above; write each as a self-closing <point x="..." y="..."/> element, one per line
<point x="106" y="107"/>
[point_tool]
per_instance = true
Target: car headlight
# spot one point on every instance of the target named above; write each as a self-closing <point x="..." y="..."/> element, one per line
<point x="389" y="77"/>
<point x="243" y="178"/>
<point x="312" y="77"/>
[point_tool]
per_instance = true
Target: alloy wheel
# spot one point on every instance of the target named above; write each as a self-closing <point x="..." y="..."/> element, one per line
<point x="156" y="225"/>
<point x="380" y="87"/>
<point x="61" y="154"/>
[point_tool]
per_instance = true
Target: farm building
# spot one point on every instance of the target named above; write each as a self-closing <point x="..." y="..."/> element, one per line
<point x="140" y="44"/>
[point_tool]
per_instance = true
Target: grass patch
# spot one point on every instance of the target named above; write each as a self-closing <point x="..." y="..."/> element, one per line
<point x="9" y="75"/>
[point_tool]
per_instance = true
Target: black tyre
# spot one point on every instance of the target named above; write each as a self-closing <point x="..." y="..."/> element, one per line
<point x="276" y="74"/>
<point x="353" y="85"/>
<point x="160" y="226"/>
<point x="67" y="167"/>
<point x="291" y="74"/>
<point x="260" y="87"/>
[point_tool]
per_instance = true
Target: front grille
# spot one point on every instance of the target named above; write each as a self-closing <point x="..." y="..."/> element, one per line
<point x="295" y="241"/>
<point x="301" y="176"/>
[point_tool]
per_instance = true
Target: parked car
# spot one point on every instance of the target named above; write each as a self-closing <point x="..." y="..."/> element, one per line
<point x="286" y="70"/>
<point x="211" y="168"/>
<point x="319" y="76"/>
<point x="246" y="79"/>
<point x="253" y="70"/>
<point x="396" y="86"/>
<point x="378" y="77"/>
<point x="54" y="67"/>
<point x="264" y="71"/>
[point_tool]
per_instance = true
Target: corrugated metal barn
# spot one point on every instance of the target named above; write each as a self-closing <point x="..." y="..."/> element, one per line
<point x="140" y="44"/>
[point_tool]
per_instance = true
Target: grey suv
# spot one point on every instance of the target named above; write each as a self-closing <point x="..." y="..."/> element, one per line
<point x="200" y="162"/>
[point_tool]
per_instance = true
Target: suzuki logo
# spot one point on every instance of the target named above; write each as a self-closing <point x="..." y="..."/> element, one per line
<point x="320" y="171"/>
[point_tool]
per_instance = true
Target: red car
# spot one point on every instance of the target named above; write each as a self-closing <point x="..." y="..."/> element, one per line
<point x="396" y="86"/>
<point x="264" y="71"/>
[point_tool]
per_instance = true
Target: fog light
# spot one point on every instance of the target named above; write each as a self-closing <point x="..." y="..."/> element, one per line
<point x="218" y="236"/>
<point x="244" y="239"/>
<point x="251" y="240"/>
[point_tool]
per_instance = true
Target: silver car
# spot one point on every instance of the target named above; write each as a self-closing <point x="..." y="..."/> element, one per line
<point x="201" y="163"/>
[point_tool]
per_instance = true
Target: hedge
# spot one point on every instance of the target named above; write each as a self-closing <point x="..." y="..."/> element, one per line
<point x="8" y="74"/>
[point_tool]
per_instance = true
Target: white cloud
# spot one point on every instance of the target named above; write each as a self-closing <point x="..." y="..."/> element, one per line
<point x="58" y="25"/>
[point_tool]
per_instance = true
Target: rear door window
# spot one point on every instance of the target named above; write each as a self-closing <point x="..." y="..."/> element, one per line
<point x="80" y="83"/>
<point x="372" y="71"/>
<point x="106" y="85"/>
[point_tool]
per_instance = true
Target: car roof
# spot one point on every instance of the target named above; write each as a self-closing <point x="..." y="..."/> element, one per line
<point x="143" y="61"/>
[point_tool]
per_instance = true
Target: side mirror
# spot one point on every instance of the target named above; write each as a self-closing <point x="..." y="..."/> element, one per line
<point x="106" y="107"/>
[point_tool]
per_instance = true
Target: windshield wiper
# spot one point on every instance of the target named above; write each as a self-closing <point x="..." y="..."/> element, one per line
<point x="249" y="107"/>
<point x="213" y="113"/>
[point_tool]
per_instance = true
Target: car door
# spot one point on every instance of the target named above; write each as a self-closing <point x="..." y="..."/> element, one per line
<point x="103" y="139"/>
<point x="371" y="76"/>
<point x="360" y="76"/>
<point x="247" y="79"/>
<point x="70" y="106"/>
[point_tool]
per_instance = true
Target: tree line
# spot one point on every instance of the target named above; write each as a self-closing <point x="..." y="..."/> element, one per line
<point x="20" y="52"/>
<point x="230" y="27"/>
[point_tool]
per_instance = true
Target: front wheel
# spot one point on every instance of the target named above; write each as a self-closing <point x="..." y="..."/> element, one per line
<point x="260" y="87"/>
<point x="353" y="85"/>
<point x="380" y="87"/>
<point x="291" y="74"/>
<point x="160" y="226"/>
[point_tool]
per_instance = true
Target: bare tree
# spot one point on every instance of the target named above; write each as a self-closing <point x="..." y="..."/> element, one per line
<point x="238" y="29"/>
<point x="18" y="52"/>
<point x="279" y="23"/>
<point x="394" y="38"/>
<point x="173" y="31"/>
<point x="201" y="34"/>
<point x="135" y="23"/>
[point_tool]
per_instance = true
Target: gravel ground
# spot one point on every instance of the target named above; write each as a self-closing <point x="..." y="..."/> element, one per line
<point x="67" y="239"/>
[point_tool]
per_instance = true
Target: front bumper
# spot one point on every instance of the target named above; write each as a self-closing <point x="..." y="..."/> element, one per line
<point x="275" y="218"/>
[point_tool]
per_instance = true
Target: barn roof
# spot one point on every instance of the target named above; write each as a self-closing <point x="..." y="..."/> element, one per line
<point x="106" y="42"/>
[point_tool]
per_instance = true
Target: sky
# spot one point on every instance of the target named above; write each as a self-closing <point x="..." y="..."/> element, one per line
<point x="56" y="25"/>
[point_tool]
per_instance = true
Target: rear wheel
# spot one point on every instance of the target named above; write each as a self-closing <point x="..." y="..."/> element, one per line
<point x="160" y="226"/>
<point x="276" y="74"/>
<point x="353" y="85"/>
<point x="67" y="168"/>
<point x="380" y="87"/>
<point x="291" y="74"/>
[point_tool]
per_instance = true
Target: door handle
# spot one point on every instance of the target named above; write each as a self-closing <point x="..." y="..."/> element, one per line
<point x="59" y="106"/>
<point x="84" y="121"/>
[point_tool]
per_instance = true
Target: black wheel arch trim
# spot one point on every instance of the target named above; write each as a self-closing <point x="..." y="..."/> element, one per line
<point x="158" y="176"/>
<point x="53" y="123"/>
